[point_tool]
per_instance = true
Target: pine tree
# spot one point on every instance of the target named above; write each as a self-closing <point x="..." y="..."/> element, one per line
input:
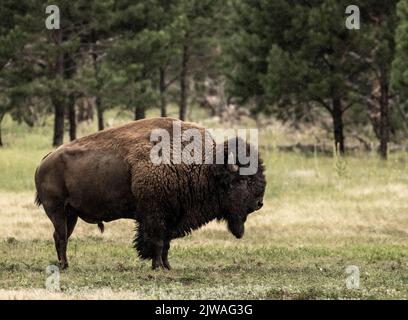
<point x="377" y="51"/>
<point x="295" y="52"/>
<point x="96" y="39"/>
<point x="140" y="52"/>
<point x="197" y="24"/>
<point x="400" y="63"/>
<point x="61" y="53"/>
<point x="12" y="40"/>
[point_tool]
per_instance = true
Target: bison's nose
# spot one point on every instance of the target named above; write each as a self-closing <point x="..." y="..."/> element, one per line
<point x="260" y="204"/>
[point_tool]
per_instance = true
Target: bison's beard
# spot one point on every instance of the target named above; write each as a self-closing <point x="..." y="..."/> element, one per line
<point x="236" y="227"/>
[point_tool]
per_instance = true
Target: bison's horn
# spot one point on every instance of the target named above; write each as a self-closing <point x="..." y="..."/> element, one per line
<point x="232" y="166"/>
<point x="231" y="163"/>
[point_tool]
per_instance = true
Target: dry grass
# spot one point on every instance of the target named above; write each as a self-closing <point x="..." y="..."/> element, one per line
<point x="23" y="220"/>
<point x="43" y="294"/>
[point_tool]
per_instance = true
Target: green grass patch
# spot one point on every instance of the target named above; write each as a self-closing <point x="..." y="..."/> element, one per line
<point x="212" y="272"/>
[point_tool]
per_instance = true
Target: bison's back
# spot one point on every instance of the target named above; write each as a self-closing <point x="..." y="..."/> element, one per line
<point x="133" y="137"/>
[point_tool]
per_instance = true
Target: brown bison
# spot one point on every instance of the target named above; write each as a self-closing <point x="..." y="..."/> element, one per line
<point x="110" y="175"/>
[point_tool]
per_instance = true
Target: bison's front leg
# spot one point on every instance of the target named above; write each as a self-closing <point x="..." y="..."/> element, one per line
<point x="151" y="246"/>
<point x="157" y="261"/>
<point x="165" y="254"/>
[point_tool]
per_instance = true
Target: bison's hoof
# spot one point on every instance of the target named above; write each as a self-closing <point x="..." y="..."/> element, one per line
<point x="162" y="266"/>
<point x="64" y="265"/>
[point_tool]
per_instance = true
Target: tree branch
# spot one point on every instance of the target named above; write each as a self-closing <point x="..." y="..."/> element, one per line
<point x="347" y="107"/>
<point x="323" y="103"/>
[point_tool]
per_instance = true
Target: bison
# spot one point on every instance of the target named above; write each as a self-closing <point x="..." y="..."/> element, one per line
<point x="110" y="175"/>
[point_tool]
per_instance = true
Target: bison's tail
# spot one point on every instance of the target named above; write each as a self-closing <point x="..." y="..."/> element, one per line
<point x="143" y="246"/>
<point x="37" y="200"/>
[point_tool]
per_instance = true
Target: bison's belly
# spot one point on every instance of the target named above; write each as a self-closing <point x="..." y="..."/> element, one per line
<point x="98" y="185"/>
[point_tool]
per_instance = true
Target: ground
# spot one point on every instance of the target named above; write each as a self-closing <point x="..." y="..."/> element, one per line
<point x="322" y="214"/>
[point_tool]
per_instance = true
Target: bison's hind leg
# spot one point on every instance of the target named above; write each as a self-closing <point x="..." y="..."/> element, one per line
<point x="64" y="222"/>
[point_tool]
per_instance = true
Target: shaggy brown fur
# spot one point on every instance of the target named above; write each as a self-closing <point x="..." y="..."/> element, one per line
<point x="109" y="175"/>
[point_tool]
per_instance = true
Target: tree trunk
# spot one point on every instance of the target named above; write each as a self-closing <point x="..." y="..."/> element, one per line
<point x="99" y="111"/>
<point x="72" y="117"/>
<point x="163" y="102"/>
<point x="384" y="120"/>
<point x="139" y="113"/>
<point x="183" y="84"/>
<point x="98" y="99"/>
<point x="338" y="126"/>
<point x="1" y="139"/>
<point x="58" y="138"/>
<point x="56" y="98"/>
<point x="373" y="105"/>
<point x="378" y="106"/>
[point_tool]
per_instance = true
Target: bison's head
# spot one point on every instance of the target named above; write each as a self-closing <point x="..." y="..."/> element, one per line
<point x="242" y="193"/>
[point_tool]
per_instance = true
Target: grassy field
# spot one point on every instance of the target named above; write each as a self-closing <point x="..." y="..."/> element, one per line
<point x="321" y="215"/>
